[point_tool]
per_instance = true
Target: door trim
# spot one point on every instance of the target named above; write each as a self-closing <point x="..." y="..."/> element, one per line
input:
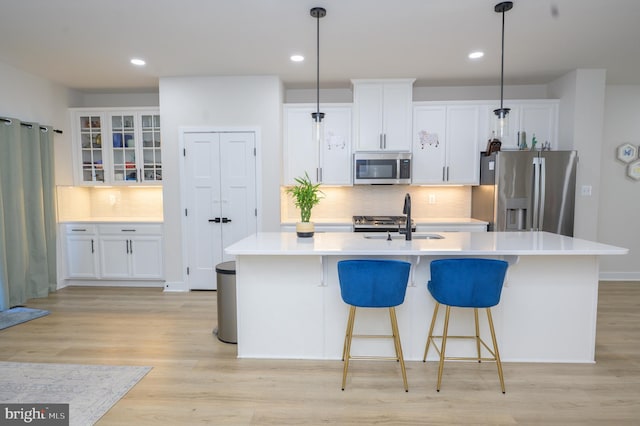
<point x="182" y="131"/>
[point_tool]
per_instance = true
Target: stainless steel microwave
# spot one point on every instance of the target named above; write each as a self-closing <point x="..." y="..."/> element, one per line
<point x="381" y="167"/>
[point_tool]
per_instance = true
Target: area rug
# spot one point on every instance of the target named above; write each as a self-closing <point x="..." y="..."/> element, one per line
<point x="15" y="316"/>
<point x="90" y="390"/>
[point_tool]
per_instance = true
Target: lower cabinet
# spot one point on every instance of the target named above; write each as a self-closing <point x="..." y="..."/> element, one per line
<point x="81" y="259"/>
<point x="122" y="251"/>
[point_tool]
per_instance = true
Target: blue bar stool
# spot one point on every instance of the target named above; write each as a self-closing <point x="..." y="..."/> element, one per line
<point x="466" y="283"/>
<point x="378" y="283"/>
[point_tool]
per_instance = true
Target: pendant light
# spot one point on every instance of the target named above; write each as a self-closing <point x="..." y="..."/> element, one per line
<point x="502" y="112"/>
<point x="318" y="12"/>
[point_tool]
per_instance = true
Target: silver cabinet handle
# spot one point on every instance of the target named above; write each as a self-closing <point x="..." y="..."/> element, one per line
<point x="380" y="144"/>
<point x="443" y="174"/>
<point x="92" y="250"/>
<point x="384" y="138"/>
<point x="130" y="246"/>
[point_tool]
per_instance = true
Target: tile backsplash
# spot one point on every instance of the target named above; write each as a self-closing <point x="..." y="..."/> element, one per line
<point x="95" y="203"/>
<point x="341" y="203"/>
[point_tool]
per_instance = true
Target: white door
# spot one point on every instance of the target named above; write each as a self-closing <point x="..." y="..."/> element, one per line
<point x="429" y="144"/>
<point x="146" y="257"/>
<point x="220" y="176"/>
<point x="81" y="257"/>
<point x="463" y="152"/>
<point x="114" y="257"/>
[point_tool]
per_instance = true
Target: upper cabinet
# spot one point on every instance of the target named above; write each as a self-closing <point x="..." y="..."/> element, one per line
<point x="329" y="162"/>
<point x="446" y="142"/>
<point x="539" y="117"/>
<point x="117" y="146"/>
<point x="382" y="114"/>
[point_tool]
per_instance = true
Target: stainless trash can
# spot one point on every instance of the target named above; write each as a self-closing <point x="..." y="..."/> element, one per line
<point x="226" y="276"/>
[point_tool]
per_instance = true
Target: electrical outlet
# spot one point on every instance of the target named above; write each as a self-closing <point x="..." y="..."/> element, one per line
<point x="586" y="190"/>
<point x="432" y="198"/>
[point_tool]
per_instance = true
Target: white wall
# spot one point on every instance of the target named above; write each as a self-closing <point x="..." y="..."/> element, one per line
<point x="31" y="98"/>
<point x="620" y="196"/>
<point x="448" y="93"/>
<point x="218" y="102"/>
<point x="118" y="100"/>
<point x="581" y="93"/>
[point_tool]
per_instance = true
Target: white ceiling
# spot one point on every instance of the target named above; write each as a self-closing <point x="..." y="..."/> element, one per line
<point x="87" y="44"/>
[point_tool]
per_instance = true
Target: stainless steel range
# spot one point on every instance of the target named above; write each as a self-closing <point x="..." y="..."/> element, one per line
<point x="380" y="223"/>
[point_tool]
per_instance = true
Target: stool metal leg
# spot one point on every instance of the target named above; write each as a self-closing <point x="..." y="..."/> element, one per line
<point x="475" y="316"/>
<point x="433" y="322"/>
<point x="444" y="345"/>
<point x="495" y="349"/>
<point x="347" y="336"/>
<point x="398" y="345"/>
<point x="346" y="353"/>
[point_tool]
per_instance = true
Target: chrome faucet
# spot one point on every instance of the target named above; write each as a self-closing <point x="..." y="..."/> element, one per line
<point x="407" y="210"/>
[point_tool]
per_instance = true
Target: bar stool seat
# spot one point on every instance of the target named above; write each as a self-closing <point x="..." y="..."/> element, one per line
<point x="466" y="283"/>
<point x="373" y="283"/>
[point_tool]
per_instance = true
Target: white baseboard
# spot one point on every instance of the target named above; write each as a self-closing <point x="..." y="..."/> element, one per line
<point x="112" y="283"/>
<point x="176" y="286"/>
<point x="619" y="276"/>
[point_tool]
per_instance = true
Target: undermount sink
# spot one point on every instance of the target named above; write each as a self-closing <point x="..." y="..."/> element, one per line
<point x="383" y="236"/>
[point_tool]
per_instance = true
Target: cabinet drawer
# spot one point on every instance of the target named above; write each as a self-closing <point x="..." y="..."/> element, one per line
<point x="130" y="229"/>
<point x="79" y="229"/>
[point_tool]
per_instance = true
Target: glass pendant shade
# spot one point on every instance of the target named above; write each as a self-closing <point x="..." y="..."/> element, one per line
<point x="501" y="128"/>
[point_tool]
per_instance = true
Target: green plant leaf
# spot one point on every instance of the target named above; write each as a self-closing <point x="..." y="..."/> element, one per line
<point x="305" y="194"/>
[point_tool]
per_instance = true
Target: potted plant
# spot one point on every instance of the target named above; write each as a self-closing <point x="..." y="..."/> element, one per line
<point x="305" y="195"/>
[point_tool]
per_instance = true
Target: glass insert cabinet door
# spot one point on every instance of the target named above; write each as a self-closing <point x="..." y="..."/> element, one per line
<point x="123" y="139"/>
<point x="91" y="148"/>
<point x="151" y="157"/>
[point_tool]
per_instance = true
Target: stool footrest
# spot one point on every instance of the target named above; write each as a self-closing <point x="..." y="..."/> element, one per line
<point x="478" y="339"/>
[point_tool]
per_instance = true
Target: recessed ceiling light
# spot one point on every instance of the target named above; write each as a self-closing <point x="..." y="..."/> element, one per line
<point x="476" y="55"/>
<point x="297" y="58"/>
<point x="137" y="61"/>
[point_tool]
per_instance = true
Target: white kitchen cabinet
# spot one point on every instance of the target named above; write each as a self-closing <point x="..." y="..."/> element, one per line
<point x="446" y="143"/>
<point x="382" y="114"/>
<point x="122" y="251"/>
<point x="535" y="116"/>
<point x="130" y="251"/>
<point x="81" y="241"/>
<point x="328" y="163"/>
<point x="116" y="146"/>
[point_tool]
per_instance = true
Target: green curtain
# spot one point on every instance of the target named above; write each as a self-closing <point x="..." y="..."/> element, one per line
<point x="27" y="216"/>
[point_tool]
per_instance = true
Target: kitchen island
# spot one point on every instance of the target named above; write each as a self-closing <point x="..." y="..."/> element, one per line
<point x="289" y="304"/>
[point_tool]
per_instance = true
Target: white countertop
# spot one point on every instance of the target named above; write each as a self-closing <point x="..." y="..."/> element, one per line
<point x="444" y="221"/>
<point x="128" y="219"/>
<point x="453" y="243"/>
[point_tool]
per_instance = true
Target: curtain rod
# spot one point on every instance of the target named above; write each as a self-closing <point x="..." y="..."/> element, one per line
<point x="6" y="120"/>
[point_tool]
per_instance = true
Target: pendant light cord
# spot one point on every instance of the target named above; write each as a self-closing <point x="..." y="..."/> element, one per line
<point x="318" y="12"/>
<point x="318" y="66"/>
<point x="502" y="64"/>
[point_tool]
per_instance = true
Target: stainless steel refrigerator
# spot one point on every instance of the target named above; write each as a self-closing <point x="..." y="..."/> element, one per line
<point x="527" y="190"/>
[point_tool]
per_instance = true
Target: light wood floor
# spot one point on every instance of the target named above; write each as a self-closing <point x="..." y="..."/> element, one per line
<point x="197" y="379"/>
